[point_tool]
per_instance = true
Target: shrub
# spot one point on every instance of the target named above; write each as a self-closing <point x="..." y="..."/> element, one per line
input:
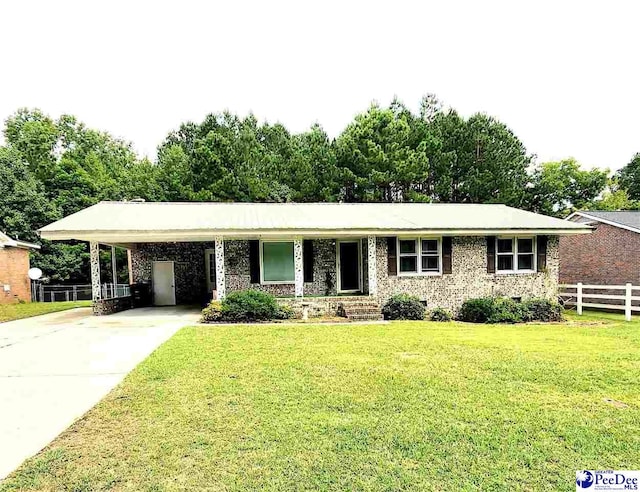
<point x="440" y="314"/>
<point x="246" y="305"/>
<point x="285" y="312"/>
<point x="403" y="306"/>
<point x="544" y="310"/>
<point x="477" y="310"/>
<point x="506" y="310"/>
<point x="249" y="305"/>
<point x="212" y="313"/>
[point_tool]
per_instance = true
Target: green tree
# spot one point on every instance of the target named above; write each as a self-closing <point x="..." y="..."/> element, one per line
<point x="629" y="177"/>
<point x="24" y="208"/>
<point x="228" y="158"/>
<point x="23" y="204"/>
<point x="71" y="167"/>
<point x="312" y="173"/>
<point x="558" y="188"/>
<point x="491" y="164"/>
<point x="175" y="177"/>
<point x="615" y="198"/>
<point x="378" y="156"/>
<point x="34" y="136"/>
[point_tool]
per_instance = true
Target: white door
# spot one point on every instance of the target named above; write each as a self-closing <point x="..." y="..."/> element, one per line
<point x="164" y="288"/>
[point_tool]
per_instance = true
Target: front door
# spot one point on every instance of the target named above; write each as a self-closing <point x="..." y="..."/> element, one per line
<point x="164" y="288"/>
<point x="348" y="266"/>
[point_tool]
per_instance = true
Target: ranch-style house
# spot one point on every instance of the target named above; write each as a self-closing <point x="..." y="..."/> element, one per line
<point x="321" y="253"/>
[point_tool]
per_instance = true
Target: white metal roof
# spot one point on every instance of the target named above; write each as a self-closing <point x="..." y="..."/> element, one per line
<point x="6" y="241"/>
<point x="126" y="222"/>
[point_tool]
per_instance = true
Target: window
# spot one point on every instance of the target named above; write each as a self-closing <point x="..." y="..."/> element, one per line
<point x="210" y="268"/>
<point x="277" y="262"/>
<point x="515" y="254"/>
<point x="420" y="256"/>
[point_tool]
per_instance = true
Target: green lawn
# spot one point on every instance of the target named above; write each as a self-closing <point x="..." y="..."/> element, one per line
<point x="407" y="405"/>
<point x="9" y="312"/>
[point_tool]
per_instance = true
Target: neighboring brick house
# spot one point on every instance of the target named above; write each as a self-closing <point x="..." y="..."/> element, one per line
<point x="307" y="252"/>
<point x="608" y="256"/>
<point x="14" y="265"/>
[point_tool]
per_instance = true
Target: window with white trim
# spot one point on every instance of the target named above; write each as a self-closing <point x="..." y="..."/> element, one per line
<point x="515" y="254"/>
<point x="276" y="262"/>
<point x="419" y="256"/>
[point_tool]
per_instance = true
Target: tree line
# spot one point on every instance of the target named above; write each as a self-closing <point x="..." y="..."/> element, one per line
<point x="50" y="168"/>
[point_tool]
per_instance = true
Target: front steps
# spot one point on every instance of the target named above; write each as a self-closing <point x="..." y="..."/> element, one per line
<point x="360" y="309"/>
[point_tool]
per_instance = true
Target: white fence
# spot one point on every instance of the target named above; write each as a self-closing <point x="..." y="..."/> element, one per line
<point x="58" y="293"/>
<point x="623" y="302"/>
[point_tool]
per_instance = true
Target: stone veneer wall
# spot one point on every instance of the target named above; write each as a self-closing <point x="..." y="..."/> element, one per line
<point x="236" y="260"/>
<point x="113" y="305"/>
<point x="190" y="268"/>
<point x="469" y="277"/>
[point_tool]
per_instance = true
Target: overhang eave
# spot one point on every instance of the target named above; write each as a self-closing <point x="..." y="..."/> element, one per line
<point x="128" y="237"/>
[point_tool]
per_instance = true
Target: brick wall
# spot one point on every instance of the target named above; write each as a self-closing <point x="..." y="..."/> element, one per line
<point x="14" y="265"/>
<point x="609" y="255"/>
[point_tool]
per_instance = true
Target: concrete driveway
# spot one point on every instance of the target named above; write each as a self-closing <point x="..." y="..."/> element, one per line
<point x="53" y="368"/>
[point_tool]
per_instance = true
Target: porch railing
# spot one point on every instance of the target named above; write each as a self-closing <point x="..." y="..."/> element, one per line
<point x="80" y="292"/>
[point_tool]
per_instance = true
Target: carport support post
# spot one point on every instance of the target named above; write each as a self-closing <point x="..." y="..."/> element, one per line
<point x="298" y="267"/>
<point x="220" y="282"/>
<point x="372" y="266"/>
<point x="94" y="250"/>
<point x="114" y="277"/>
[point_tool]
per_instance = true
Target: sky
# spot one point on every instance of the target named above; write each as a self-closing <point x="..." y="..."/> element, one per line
<point x="563" y="75"/>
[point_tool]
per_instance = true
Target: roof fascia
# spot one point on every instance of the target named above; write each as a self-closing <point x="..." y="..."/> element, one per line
<point x="605" y="221"/>
<point x="184" y="236"/>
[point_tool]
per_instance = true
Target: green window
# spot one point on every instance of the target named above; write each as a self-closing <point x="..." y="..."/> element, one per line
<point x="277" y="262"/>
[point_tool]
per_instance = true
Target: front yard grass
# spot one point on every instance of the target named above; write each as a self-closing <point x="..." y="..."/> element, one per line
<point x="10" y="312"/>
<point x="399" y="406"/>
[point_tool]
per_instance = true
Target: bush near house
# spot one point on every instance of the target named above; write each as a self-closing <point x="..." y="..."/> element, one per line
<point x="245" y="306"/>
<point x="440" y="314"/>
<point x="403" y="306"/>
<point x="507" y="310"/>
<point x="544" y="310"/>
<point x="212" y="313"/>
